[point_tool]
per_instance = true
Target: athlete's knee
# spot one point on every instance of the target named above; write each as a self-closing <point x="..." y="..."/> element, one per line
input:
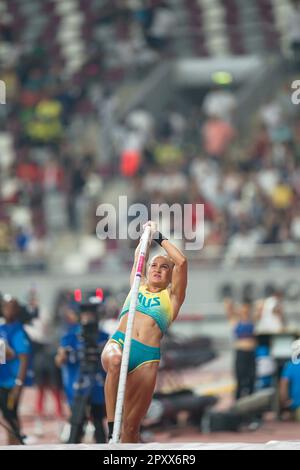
<point x="111" y="358"/>
<point x="114" y="362"/>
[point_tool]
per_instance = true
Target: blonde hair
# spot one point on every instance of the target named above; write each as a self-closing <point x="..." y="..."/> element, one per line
<point x="170" y="261"/>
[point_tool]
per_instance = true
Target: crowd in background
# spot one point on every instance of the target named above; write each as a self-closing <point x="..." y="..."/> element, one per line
<point x="50" y="163"/>
<point x="62" y="152"/>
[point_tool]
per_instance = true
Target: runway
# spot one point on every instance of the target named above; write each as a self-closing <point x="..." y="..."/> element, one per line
<point x="272" y="445"/>
<point x="212" y="378"/>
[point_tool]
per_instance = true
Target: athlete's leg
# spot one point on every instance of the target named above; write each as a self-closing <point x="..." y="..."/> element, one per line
<point x="111" y="361"/>
<point x="139" y="392"/>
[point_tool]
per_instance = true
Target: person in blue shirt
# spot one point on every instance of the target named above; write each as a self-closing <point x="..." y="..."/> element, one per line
<point x="85" y="377"/>
<point x="243" y="324"/>
<point x="13" y="373"/>
<point x="290" y="386"/>
<point x="66" y="357"/>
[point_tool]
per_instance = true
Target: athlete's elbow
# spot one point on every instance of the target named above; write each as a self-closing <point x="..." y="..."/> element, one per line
<point x="182" y="262"/>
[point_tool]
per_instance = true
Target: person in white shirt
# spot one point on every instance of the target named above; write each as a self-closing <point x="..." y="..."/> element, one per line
<point x="162" y="27"/>
<point x="270" y="314"/>
<point x="220" y="102"/>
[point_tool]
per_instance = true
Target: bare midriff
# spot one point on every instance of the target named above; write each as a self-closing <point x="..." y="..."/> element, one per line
<point x="245" y="344"/>
<point x="145" y="329"/>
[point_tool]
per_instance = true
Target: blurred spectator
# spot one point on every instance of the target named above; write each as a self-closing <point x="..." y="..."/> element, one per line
<point x="167" y="153"/>
<point x="53" y="175"/>
<point x="217" y="136"/>
<point x="221" y="103"/>
<point x="46" y="123"/>
<point x="47" y="379"/>
<point x="271" y="115"/>
<point x="5" y="236"/>
<point x="162" y="26"/>
<point x="290" y="389"/>
<point x="22" y="239"/>
<point x="293" y="30"/>
<point x="142" y="12"/>
<point x="268" y="178"/>
<point x="282" y="196"/>
<point x="295" y="226"/>
<point x="270" y="314"/>
<point x="13" y="373"/>
<point x="6" y="30"/>
<point x="174" y="185"/>
<point x="86" y="378"/>
<point x="242" y="322"/>
<point x="47" y="376"/>
<point x="130" y="163"/>
<point x="70" y="368"/>
<point x="76" y="184"/>
<point x="242" y="244"/>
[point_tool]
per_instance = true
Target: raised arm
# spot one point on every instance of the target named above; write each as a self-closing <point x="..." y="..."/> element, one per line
<point x="179" y="275"/>
<point x="230" y="310"/>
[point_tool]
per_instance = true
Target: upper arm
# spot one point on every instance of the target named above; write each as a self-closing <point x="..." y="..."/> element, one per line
<point x="179" y="285"/>
<point x="21" y="344"/>
<point x="231" y="312"/>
